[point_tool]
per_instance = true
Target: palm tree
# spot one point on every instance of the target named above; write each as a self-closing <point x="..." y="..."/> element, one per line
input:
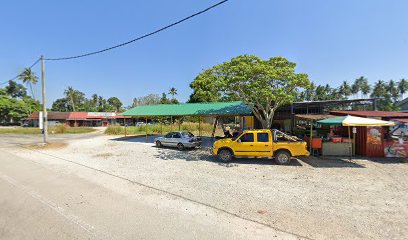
<point x="392" y="88"/>
<point x="379" y="89"/>
<point x="365" y="87"/>
<point x="70" y="93"/>
<point x="173" y="92"/>
<point x="29" y="78"/>
<point x="403" y="87"/>
<point x="345" y="89"/>
<point x="357" y="85"/>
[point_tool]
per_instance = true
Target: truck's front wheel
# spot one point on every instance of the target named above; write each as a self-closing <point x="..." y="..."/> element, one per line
<point x="225" y="155"/>
<point x="282" y="157"/>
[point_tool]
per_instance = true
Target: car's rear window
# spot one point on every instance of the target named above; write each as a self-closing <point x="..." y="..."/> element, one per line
<point x="187" y="134"/>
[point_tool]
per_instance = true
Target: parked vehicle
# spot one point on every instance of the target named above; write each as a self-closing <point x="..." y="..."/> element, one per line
<point x="261" y="143"/>
<point x="139" y="124"/>
<point x="180" y="139"/>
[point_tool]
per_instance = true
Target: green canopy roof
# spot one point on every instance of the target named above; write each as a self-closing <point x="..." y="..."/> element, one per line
<point x="338" y="121"/>
<point x="189" y="109"/>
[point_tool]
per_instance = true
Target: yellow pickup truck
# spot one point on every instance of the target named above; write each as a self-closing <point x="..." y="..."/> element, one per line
<point x="261" y="143"/>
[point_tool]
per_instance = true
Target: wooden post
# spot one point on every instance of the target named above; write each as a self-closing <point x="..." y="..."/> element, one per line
<point x="161" y="128"/>
<point x="354" y="143"/>
<point x="147" y="138"/>
<point x="171" y="123"/>
<point x="351" y="146"/>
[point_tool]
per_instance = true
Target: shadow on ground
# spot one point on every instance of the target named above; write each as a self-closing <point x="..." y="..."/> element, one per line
<point x="331" y="162"/>
<point x="204" y="154"/>
<point x="207" y="141"/>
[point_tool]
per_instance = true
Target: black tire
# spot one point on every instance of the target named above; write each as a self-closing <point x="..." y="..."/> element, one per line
<point x="158" y="144"/>
<point x="282" y="157"/>
<point x="225" y="155"/>
<point x="180" y="146"/>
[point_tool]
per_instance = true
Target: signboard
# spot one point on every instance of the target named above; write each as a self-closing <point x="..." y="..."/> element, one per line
<point x="396" y="149"/>
<point x="354" y="130"/>
<point x="101" y="114"/>
<point x="40" y="120"/>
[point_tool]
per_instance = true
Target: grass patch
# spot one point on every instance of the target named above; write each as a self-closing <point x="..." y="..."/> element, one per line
<point x="206" y="129"/>
<point x="59" y="129"/>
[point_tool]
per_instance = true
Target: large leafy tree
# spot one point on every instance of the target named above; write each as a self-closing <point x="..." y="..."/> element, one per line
<point x="115" y="103"/>
<point x="264" y="85"/>
<point x="15" y="90"/>
<point x="61" y="105"/>
<point x="28" y="77"/>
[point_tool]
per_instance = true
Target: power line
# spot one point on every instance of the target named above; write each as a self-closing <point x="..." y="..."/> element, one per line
<point x="14" y="78"/>
<point x="141" y="37"/>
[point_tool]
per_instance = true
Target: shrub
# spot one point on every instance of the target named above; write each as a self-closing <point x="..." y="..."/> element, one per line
<point x="114" y="130"/>
<point x="59" y="128"/>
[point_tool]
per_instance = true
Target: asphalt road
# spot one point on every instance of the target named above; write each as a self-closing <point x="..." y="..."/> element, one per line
<point x="39" y="200"/>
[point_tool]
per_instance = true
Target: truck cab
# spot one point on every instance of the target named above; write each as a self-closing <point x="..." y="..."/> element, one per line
<point x="261" y="143"/>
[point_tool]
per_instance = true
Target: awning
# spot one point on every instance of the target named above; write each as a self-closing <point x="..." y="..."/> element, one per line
<point x="354" y="121"/>
<point x="191" y="109"/>
<point x="314" y="116"/>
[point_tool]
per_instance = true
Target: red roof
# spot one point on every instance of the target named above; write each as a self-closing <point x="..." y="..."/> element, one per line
<point x="382" y="114"/>
<point x="74" y="116"/>
<point x="402" y="120"/>
<point x="77" y="116"/>
<point x="50" y="115"/>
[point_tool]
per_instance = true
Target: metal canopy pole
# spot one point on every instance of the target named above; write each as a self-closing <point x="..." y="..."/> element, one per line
<point x="311" y="136"/>
<point x="199" y="127"/>
<point x="147" y="140"/>
<point x="125" y="126"/>
<point x="350" y="144"/>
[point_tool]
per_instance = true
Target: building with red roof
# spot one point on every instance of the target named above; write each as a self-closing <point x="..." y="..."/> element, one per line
<point x="79" y="119"/>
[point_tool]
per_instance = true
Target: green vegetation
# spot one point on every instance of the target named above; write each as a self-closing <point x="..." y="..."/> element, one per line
<point x="206" y="129"/>
<point x="15" y="104"/>
<point x="75" y="100"/>
<point x="264" y="85"/>
<point x="387" y="93"/>
<point x="59" y="129"/>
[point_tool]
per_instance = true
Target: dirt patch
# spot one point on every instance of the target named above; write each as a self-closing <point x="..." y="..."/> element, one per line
<point x="103" y="155"/>
<point x="48" y="146"/>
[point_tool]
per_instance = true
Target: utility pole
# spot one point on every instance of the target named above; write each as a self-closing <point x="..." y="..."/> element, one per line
<point x="44" y="105"/>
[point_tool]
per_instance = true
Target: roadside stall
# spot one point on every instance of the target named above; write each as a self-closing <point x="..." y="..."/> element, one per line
<point x="305" y="128"/>
<point x="370" y="138"/>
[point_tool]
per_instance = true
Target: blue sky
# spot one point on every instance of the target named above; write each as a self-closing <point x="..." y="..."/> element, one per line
<point x="331" y="41"/>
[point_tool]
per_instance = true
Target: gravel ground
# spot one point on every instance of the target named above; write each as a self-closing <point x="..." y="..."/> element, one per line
<point x="312" y="198"/>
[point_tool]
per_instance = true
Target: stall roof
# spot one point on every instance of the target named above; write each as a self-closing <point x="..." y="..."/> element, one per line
<point x="402" y="120"/>
<point x="385" y="114"/>
<point x="354" y="121"/>
<point x="314" y="116"/>
<point x="190" y="109"/>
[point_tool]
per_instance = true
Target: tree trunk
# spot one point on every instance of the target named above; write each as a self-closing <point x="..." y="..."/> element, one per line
<point x="265" y="118"/>
<point x="31" y="89"/>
